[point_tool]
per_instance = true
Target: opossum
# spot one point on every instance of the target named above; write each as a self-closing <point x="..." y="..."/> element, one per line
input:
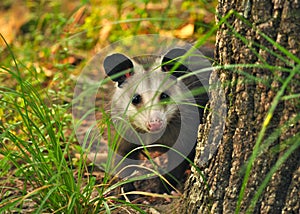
<point x="155" y="103"/>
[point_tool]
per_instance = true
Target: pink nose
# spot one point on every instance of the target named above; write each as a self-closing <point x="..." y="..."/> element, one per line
<point x="154" y="125"/>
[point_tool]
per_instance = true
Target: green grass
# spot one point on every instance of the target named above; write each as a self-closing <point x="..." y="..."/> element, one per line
<point x="38" y="140"/>
<point x="37" y="148"/>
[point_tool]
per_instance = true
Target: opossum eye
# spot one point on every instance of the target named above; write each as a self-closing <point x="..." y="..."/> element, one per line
<point x="136" y="99"/>
<point x="164" y="97"/>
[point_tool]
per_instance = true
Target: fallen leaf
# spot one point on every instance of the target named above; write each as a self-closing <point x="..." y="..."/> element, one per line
<point x="185" y="32"/>
<point x="105" y="31"/>
<point x="11" y="21"/>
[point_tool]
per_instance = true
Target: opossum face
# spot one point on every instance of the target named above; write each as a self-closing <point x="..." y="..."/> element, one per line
<point x="148" y="91"/>
<point x="146" y="100"/>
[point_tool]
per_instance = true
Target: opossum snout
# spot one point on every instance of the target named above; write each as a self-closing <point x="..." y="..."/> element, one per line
<point x="154" y="125"/>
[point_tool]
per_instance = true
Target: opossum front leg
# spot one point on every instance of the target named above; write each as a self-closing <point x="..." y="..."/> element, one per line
<point x="124" y="164"/>
<point x="176" y="170"/>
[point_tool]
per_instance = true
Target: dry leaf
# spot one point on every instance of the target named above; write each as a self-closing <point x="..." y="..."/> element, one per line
<point x="78" y="20"/>
<point x="185" y="32"/>
<point x="11" y="21"/>
<point x="104" y="32"/>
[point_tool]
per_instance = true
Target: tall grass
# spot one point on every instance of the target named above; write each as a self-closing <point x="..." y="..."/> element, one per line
<point x="38" y="140"/>
<point x="36" y="149"/>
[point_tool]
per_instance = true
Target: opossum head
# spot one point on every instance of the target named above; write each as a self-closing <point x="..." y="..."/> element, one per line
<point x="147" y="89"/>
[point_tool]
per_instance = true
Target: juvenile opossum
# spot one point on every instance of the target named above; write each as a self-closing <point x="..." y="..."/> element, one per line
<point x="153" y="104"/>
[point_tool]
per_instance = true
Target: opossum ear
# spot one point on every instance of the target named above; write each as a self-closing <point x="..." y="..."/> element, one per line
<point x="118" y="67"/>
<point x="172" y="59"/>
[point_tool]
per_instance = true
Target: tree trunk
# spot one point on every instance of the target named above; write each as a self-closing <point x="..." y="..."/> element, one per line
<point x="252" y="92"/>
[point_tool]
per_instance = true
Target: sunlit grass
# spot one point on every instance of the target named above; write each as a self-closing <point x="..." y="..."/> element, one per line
<point x="38" y="149"/>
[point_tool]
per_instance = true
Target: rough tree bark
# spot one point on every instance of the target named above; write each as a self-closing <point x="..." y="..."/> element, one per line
<point x="248" y="101"/>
